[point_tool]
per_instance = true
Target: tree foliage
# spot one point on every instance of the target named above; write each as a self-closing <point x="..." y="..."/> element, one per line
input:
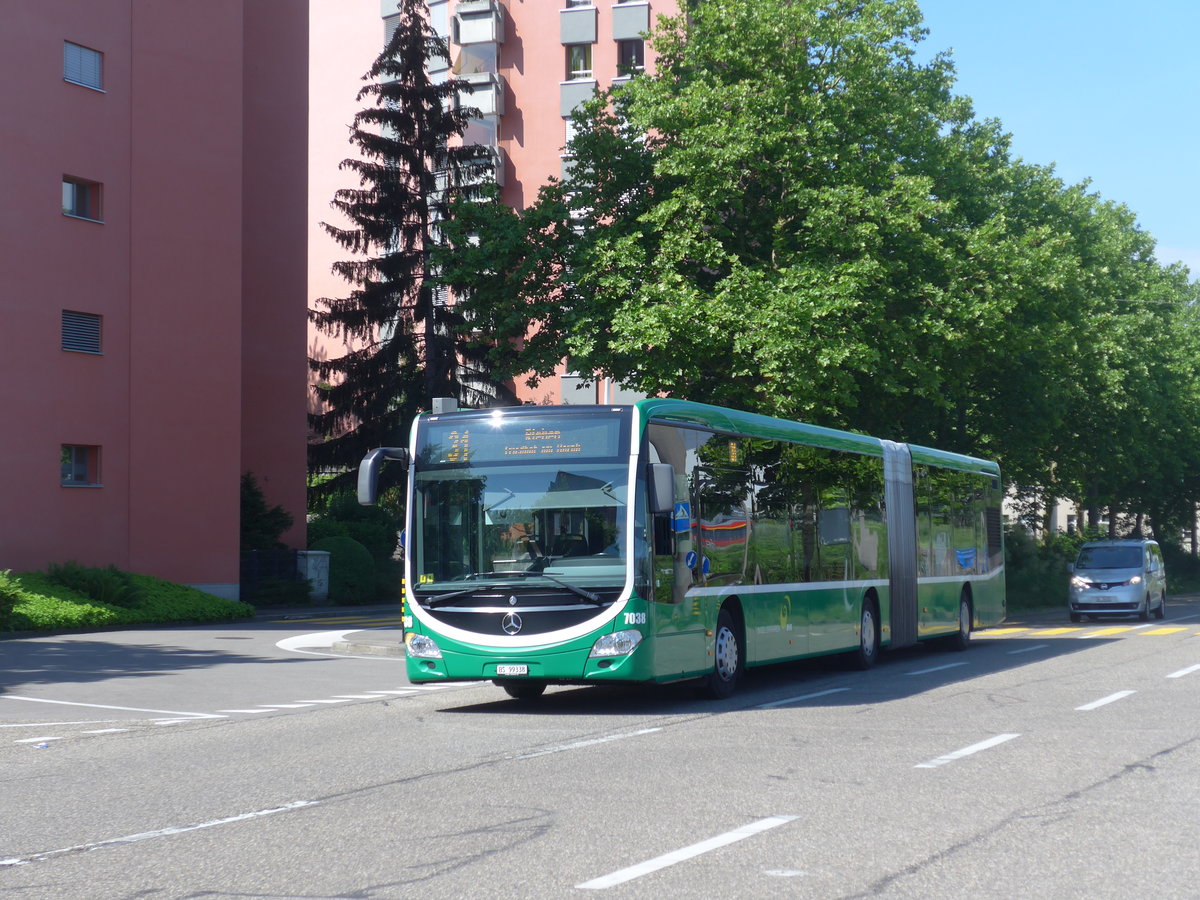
<point x="796" y="214"/>
<point x="401" y="344"/>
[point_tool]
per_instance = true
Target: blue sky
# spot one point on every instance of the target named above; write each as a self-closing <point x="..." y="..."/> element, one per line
<point x="1103" y="89"/>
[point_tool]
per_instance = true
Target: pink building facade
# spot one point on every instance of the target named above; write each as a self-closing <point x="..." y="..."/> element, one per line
<point x="152" y="329"/>
<point x="531" y="62"/>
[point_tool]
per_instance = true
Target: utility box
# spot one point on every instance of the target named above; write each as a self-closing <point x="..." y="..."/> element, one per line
<point x="313" y="566"/>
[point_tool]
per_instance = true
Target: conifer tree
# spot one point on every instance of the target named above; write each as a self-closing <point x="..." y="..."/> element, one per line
<point x="401" y="342"/>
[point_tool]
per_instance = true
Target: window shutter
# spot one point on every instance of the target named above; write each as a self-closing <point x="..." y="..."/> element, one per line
<point x="80" y="332"/>
<point x="82" y="65"/>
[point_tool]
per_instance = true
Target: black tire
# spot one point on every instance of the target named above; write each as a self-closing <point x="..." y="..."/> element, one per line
<point x="523" y="690"/>
<point x="1161" y="611"/>
<point x="961" y="639"/>
<point x="1076" y="617"/>
<point x="727" y="658"/>
<point x="1144" y="612"/>
<point x="868" y="636"/>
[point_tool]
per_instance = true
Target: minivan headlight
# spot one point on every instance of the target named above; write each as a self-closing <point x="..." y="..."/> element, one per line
<point x="1077" y="582"/>
<point x="619" y="643"/>
<point x="1136" y="579"/>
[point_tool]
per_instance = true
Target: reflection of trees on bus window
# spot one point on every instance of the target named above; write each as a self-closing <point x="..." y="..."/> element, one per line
<point x="958" y="516"/>
<point x="769" y="511"/>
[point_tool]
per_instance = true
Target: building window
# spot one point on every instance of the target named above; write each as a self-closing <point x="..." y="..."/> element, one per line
<point x="574" y="3"/>
<point x="631" y="57"/>
<point x="80" y="465"/>
<point x="81" y="199"/>
<point x="82" y="65"/>
<point x="579" y="61"/>
<point x="476" y="59"/>
<point x="80" y="332"/>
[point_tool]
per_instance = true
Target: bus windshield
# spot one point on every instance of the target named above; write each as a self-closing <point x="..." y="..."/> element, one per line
<point x="520" y="498"/>
<point x="492" y="523"/>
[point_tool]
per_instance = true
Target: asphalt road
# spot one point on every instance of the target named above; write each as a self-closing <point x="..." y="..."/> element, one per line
<point x="1049" y="760"/>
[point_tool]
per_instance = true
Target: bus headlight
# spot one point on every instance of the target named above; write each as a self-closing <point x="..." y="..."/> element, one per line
<point x="619" y="643"/>
<point x="420" y="647"/>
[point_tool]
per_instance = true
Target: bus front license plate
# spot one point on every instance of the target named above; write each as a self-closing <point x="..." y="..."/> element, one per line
<point x="512" y="670"/>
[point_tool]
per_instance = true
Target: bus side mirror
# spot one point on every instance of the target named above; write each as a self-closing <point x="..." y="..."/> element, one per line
<point x="662" y="488"/>
<point x="368" y="472"/>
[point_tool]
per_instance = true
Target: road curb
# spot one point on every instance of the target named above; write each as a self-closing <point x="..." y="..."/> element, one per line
<point x="391" y="649"/>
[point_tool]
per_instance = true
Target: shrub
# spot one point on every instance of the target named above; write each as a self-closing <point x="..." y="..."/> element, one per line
<point x="372" y="526"/>
<point x="43" y="604"/>
<point x="1035" y="573"/>
<point x="262" y="525"/>
<point x="10" y="593"/>
<point x="351" y="570"/>
<point x="109" y="585"/>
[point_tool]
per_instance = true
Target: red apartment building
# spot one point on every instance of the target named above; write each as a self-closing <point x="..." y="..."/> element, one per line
<point x="152" y="328"/>
<point x="531" y="63"/>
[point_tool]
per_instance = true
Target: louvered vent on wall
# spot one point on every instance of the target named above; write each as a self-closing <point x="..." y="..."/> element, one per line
<point x="80" y="332"/>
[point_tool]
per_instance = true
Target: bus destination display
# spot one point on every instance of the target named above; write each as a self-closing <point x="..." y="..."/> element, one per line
<point x="518" y="437"/>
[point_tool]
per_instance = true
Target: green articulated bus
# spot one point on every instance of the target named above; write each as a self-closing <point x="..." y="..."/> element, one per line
<point x="672" y="540"/>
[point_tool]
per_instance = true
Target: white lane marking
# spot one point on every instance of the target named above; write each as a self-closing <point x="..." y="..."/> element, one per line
<point x="283" y="705"/>
<point x="1188" y="671"/>
<point x="338" y="700"/>
<point x="314" y="643"/>
<point x="937" y="668"/>
<point x="588" y="743"/>
<point x="167" y="712"/>
<point x="105" y="731"/>
<point x="966" y="751"/>
<point x="385" y="693"/>
<point x="37" y="740"/>
<point x="49" y="724"/>
<point x="801" y="698"/>
<point x="357" y="696"/>
<point x="678" y="856"/>
<point x="1028" y="649"/>
<point x="242" y="710"/>
<point x="147" y="835"/>
<point x="1104" y="701"/>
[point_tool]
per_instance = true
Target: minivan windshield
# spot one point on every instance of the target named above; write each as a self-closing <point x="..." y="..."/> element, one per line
<point x="1121" y="557"/>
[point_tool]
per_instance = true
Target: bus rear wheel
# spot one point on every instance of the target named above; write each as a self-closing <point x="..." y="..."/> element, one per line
<point x="523" y="690"/>
<point x="868" y="636"/>
<point x="727" y="658"/>
<point x="961" y="639"/>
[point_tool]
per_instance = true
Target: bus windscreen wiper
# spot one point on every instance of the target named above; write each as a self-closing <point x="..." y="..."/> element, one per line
<point x="582" y="592"/>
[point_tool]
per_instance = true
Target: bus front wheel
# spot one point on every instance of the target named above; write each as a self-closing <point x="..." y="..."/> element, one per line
<point x="523" y="690"/>
<point x="727" y="658"/>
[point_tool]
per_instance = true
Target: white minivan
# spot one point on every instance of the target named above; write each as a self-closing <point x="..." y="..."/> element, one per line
<point x="1118" y="578"/>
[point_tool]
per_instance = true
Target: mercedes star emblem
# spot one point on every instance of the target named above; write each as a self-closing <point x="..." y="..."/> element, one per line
<point x="511" y="623"/>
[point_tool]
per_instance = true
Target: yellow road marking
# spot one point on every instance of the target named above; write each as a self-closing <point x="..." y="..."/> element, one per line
<point x="1106" y="631"/>
<point x="1165" y="630"/>
<point x="1050" y="631"/>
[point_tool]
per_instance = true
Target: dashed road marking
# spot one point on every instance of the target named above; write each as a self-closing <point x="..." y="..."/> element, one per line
<point x="1182" y="672"/>
<point x="1104" y="701"/>
<point x="677" y="856"/>
<point x="967" y="751"/>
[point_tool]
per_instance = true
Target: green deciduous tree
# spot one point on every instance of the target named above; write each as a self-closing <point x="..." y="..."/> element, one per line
<point x="796" y="214"/>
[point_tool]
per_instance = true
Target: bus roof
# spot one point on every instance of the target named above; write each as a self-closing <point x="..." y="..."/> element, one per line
<point x="756" y="425"/>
